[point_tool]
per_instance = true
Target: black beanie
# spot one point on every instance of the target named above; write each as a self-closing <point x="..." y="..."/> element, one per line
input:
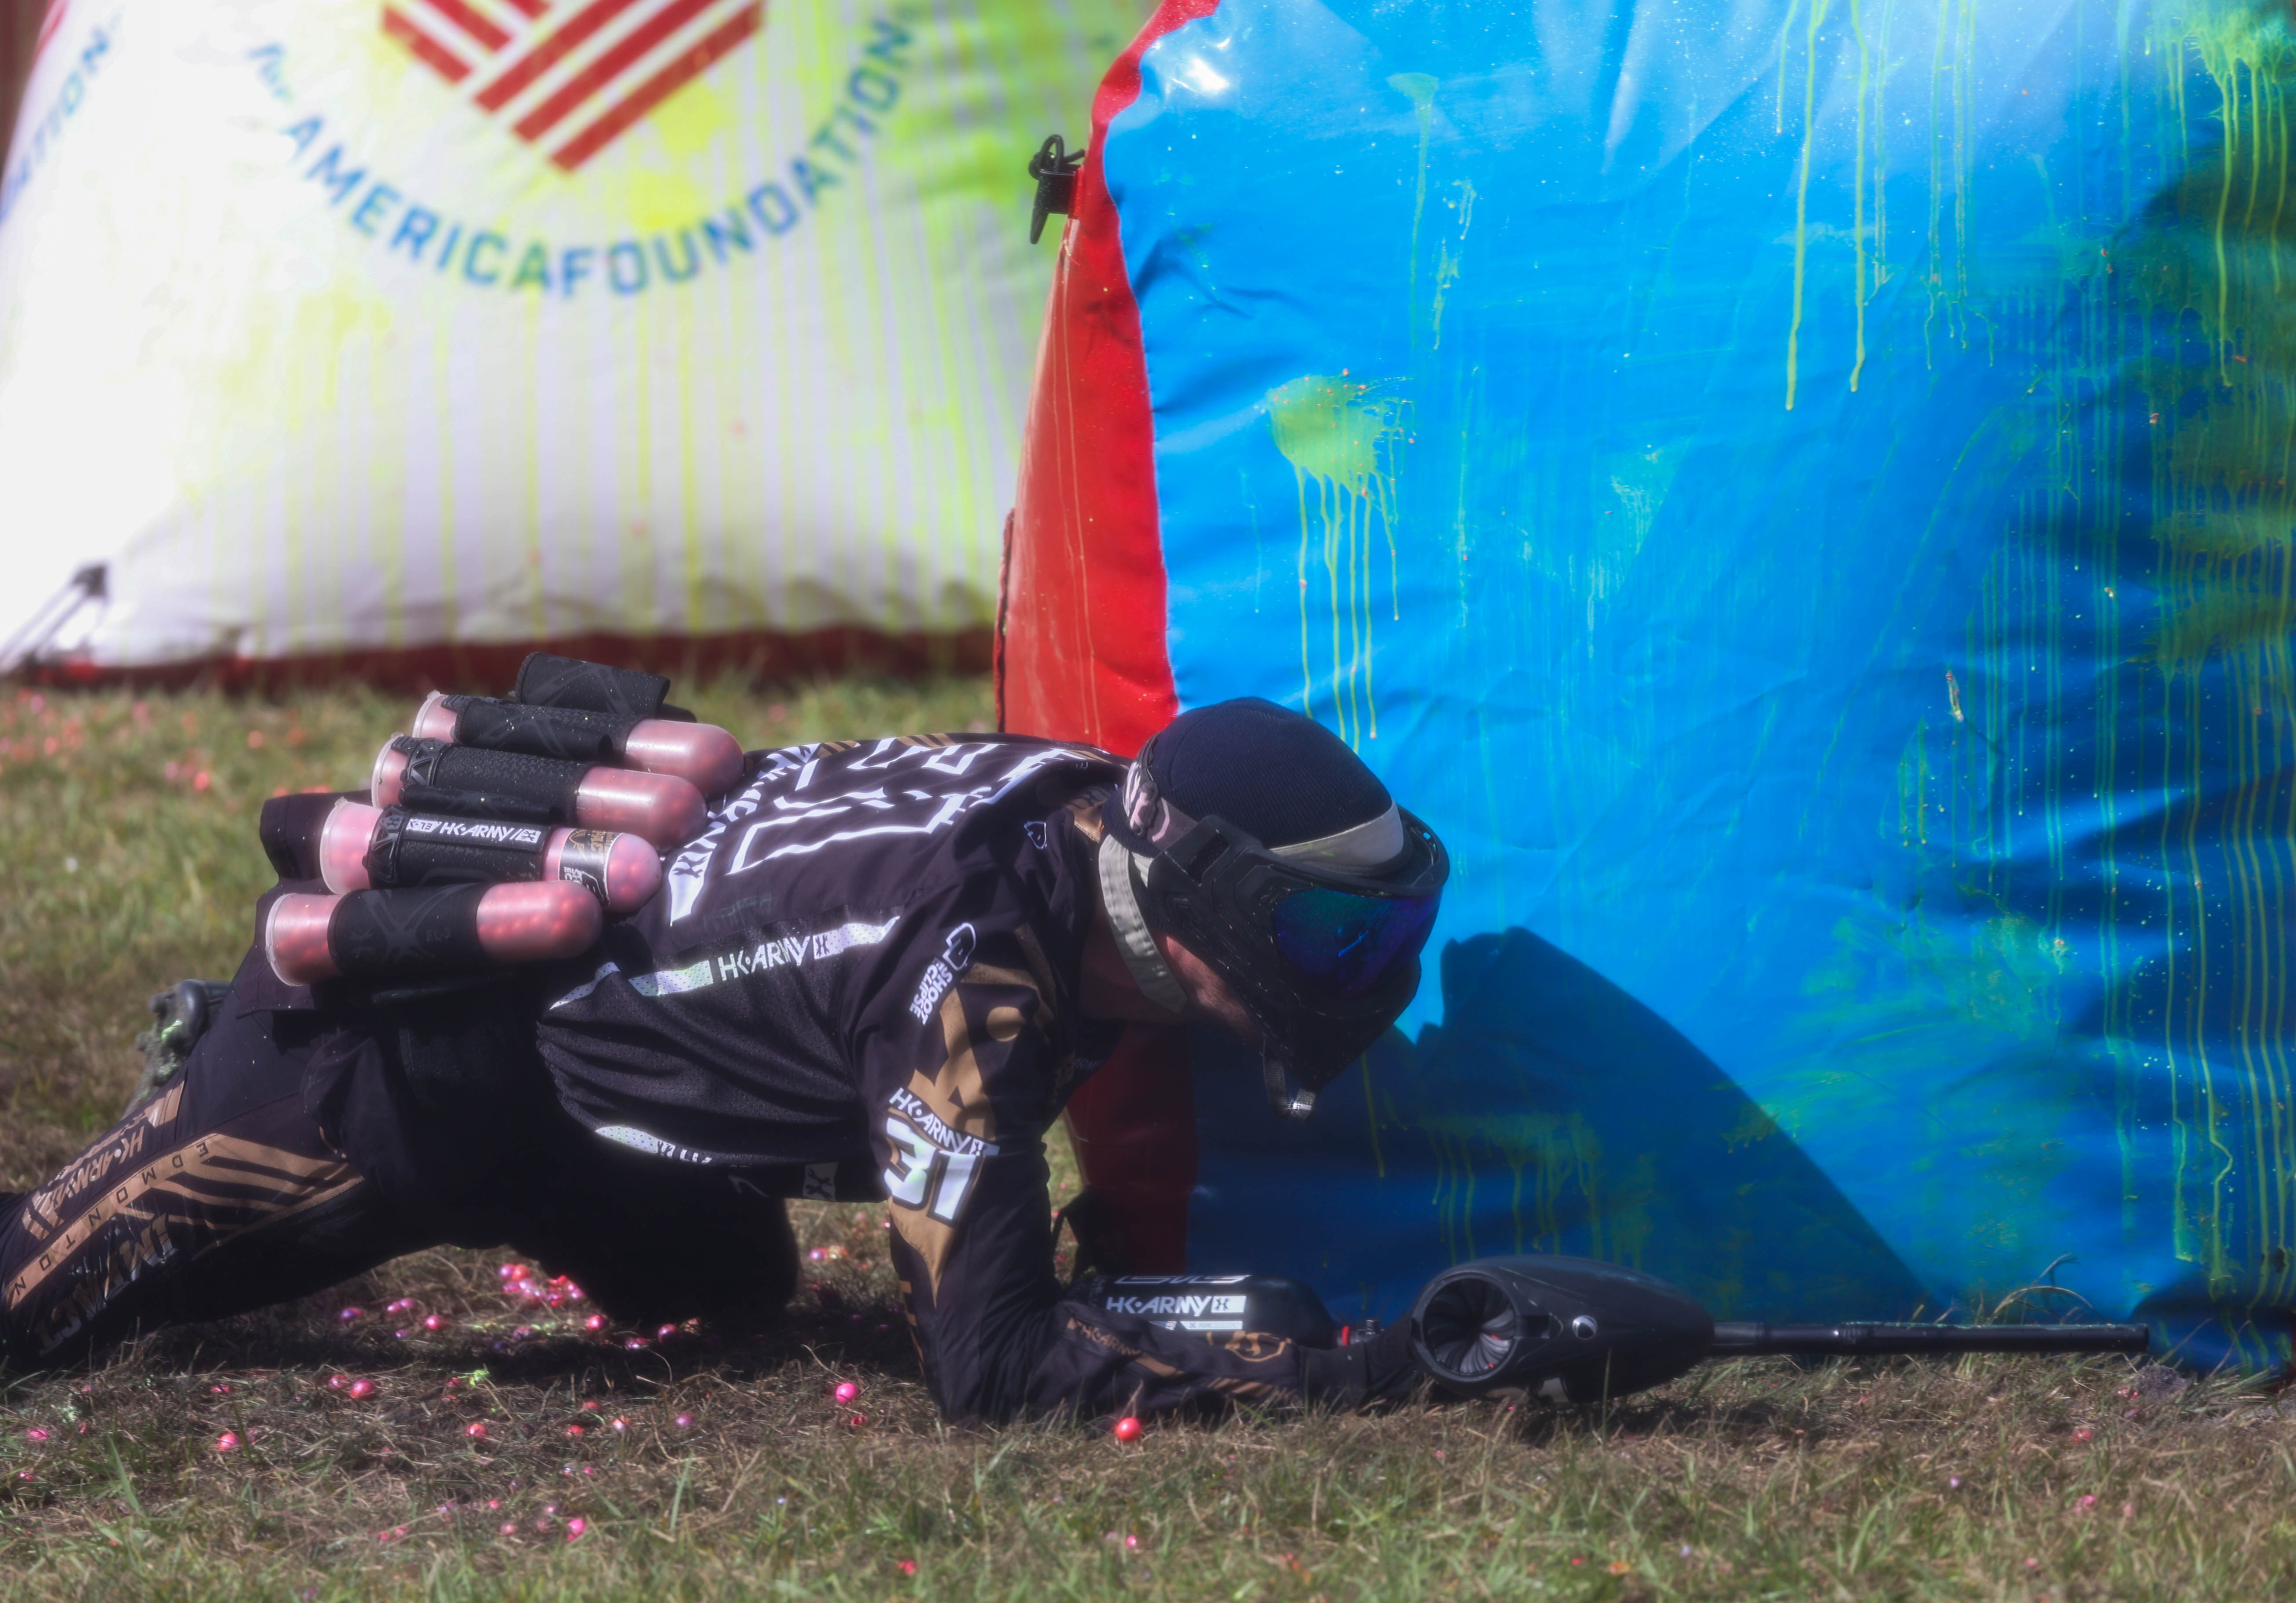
<point x="1276" y="775"/>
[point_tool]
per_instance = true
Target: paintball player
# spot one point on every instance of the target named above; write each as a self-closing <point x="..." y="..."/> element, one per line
<point x="878" y="970"/>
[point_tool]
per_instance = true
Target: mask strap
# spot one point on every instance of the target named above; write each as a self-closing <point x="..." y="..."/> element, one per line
<point x="1370" y="845"/>
<point x="1121" y="897"/>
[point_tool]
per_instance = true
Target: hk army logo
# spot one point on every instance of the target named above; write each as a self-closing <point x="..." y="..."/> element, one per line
<point x="569" y="76"/>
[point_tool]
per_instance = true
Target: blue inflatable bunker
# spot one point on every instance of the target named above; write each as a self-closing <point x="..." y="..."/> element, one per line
<point x="1797" y="493"/>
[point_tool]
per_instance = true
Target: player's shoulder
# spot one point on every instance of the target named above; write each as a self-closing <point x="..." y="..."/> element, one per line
<point x="873" y="824"/>
<point x="940" y="762"/>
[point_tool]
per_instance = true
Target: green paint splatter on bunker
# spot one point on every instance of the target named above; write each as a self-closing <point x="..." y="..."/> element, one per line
<point x="2205" y="550"/>
<point x="1801" y="197"/>
<point x="1342" y="436"/>
<point x="2163" y="359"/>
<point x="1902" y="995"/>
<point x="2223" y="526"/>
<point x="1419" y="89"/>
<point x="1561" y="1194"/>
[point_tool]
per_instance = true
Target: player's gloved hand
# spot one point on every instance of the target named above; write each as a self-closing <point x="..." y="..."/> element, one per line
<point x="1361" y="1374"/>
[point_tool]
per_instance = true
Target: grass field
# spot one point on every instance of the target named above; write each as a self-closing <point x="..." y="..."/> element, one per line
<point x="708" y="1471"/>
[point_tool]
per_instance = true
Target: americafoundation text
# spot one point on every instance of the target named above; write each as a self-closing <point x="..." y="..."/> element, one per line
<point x="496" y="258"/>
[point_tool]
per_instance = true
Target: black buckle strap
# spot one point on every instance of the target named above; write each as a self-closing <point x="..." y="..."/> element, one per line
<point x="1054" y="169"/>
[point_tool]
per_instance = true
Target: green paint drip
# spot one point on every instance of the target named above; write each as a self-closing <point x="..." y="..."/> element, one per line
<point x="1561" y="1182"/>
<point x="2212" y="541"/>
<point x="1801" y="197"/>
<point x="1341" y="437"/>
<point x="1448" y="262"/>
<point x="2224" y="527"/>
<point x="1419" y="89"/>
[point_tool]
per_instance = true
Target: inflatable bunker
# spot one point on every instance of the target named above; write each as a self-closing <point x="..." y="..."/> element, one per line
<point x="393" y="338"/>
<point x="1797" y="493"/>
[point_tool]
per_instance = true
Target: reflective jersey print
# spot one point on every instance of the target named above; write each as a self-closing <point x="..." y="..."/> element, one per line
<point x="862" y="975"/>
<point x="795" y="970"/>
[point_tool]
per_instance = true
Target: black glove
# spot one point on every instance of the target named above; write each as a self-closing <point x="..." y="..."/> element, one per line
<point x="1361" y="1374"/>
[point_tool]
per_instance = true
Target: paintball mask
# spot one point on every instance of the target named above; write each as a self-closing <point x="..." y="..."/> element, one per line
<point x="1318" y="938"/>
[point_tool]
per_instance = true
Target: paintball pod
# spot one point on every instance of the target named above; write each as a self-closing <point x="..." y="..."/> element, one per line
<point x="1567" y="1329"/>
<point x="501" y="831"/>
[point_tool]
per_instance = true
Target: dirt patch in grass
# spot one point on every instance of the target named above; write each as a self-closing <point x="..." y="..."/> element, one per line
<point x="235" y="1459"/>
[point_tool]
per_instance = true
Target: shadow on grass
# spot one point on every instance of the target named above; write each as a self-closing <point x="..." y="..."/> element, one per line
<point x="874" y="1339"/>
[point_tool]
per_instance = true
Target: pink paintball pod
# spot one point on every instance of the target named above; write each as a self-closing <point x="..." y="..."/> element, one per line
<point x="402" y="934"/>
<point x="435" y="776"/>
<point x="704" y="755"/>
<point x="413" y="848"/>
<point x="656" y="807"/>
<point x="295" y="938"/>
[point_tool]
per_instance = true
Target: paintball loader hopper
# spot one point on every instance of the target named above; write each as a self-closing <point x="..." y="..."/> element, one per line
<point x="1571" y="1330"/>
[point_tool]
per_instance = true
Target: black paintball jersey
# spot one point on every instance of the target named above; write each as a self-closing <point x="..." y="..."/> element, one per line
<point x="862" y="974"/>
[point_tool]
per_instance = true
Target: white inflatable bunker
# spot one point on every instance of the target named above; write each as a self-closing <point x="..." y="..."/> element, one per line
<point x="339" y="331"/>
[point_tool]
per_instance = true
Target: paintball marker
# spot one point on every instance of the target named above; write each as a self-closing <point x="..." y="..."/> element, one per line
<point x="1571" y="1330"/>
<point x="1567" y="1329"/>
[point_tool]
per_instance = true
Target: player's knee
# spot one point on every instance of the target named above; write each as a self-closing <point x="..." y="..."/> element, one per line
<point x="701" y="1246"/>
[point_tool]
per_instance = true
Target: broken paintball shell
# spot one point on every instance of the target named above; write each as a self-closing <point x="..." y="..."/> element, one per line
<point x="704" y="755"/>
<point x="382" y="848"/>
<point x="467" y="782"/>
<point x="387" y="934"/>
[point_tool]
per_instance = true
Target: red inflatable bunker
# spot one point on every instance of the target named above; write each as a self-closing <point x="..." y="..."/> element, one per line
<point x="1081" y="645"/>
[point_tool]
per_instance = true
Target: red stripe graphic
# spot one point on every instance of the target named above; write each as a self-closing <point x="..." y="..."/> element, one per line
<point x="463" y="17"/>
<point x="48" y="26"/>
<point x="608" y="67"/>
<point x="588" y="100"/>
<point x="547" y="55"/>
<point x="659" y="87"/>
<point x="426" y="49"/>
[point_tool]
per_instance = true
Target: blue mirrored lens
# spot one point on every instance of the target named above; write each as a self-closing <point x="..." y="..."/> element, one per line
<point x="1348" y="944"/>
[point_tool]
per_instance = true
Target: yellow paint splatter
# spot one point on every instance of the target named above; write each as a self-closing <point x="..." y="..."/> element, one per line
<point x="691" y="118"/>
<point x="652" y="200"/>
<point x="1342" y="435"/>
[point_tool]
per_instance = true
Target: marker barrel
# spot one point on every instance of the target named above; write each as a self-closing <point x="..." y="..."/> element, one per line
<point x="1751" y="1338"/>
